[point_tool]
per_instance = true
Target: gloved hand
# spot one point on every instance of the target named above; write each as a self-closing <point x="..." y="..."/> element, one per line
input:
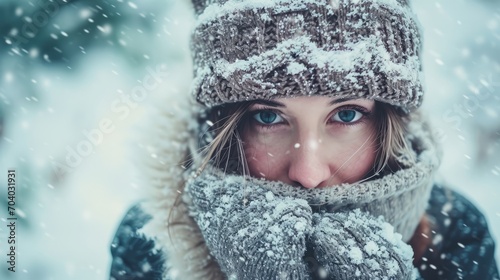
<point x="355" y="245"/>
<point x="252" y="233"/>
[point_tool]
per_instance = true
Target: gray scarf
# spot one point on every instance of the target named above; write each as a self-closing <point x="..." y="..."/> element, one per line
<point x="260" y="229"/>
<point x="405" y="194"/>
<point x="400" y="197"/>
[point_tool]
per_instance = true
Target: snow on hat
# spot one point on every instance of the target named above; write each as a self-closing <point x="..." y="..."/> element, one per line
<point x="262" y="49"/>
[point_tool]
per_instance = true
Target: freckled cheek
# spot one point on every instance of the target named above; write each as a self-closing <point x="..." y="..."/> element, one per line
<point x="351" y="154"/>
<point x="365" y="159"/>
<point x="266" y="160"/>
<point x="355" y="162"/>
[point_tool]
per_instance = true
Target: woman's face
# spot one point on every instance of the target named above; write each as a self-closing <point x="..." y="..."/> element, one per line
<point x="310" y="141"/>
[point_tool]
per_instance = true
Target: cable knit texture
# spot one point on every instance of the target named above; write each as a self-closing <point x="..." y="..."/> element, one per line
<point x="255" y="234"/>
<point x="401" y="197"/>
<point x="263" y="49"/>
<point x="356" y="245"/>
<point x="252" y="234"/>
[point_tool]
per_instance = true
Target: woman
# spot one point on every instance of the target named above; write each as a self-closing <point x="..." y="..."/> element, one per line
<point x="305" y="158"/>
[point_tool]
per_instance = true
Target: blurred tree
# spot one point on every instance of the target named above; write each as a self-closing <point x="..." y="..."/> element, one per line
<point x="58" y="34"/>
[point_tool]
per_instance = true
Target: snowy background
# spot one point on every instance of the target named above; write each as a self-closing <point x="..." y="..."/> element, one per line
<point x="68" y="69"/>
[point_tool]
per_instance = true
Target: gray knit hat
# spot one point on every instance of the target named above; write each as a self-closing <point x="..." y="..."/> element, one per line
<point x="262" y="49"/>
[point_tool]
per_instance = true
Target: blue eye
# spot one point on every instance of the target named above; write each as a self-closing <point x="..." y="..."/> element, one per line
<point x="347" y="116"/>
<point x="267" y="117"/>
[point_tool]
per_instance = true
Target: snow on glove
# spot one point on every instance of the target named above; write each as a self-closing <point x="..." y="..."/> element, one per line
<point x="252" y="233"/>
<point x="355" y="245"/>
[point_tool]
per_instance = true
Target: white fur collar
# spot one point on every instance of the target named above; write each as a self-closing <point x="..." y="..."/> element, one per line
<point x="168" y="139"/>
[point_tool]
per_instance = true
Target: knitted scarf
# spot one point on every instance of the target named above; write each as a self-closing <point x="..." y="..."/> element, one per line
<point x="400" y="197"/>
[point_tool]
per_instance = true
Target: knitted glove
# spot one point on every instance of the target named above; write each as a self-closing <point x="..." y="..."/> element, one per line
<point x="356" y="245"/>
<point x="252" y="233"/>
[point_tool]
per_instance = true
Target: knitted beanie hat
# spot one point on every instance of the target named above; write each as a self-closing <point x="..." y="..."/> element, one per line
<point x="262" y="49"/>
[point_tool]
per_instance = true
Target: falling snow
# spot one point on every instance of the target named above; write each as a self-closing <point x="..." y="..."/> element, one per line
<point x="50" y="96"/>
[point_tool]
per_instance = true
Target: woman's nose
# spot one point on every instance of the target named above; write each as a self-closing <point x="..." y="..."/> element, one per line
<point x="308" y="166"/>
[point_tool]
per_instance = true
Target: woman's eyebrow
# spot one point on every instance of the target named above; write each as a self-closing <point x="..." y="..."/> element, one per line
<point x="269" y="103"/>
<point x="341" y="100"/>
